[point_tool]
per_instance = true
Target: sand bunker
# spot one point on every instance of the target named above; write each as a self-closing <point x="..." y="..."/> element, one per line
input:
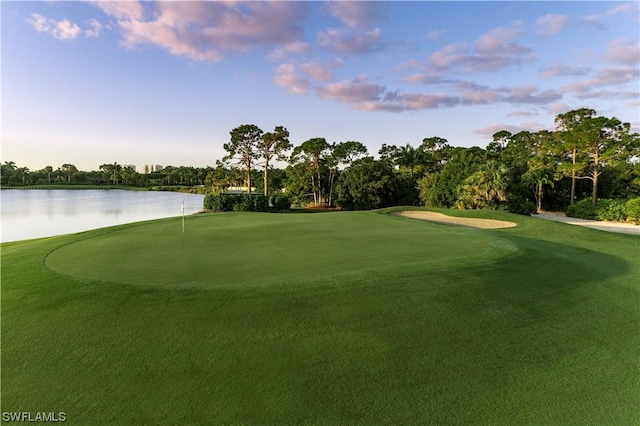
<point x="459" y="221"/>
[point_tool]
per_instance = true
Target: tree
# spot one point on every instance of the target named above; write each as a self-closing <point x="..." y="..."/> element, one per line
<point x="312" y="153"/>
<point x="407" y="158"/>
<point x="485" y="188"/>
<point x="48" y="170"/>
<point x="273" y="145"/>
<point x="540" y="164"/>
<point x="441" y="189"/>
<point x="69" y="170"/>
<point x="112" y="172"/>
<point x="434" y="151"/>
<point x="604" y="144"/>
<point x="343" y="154"/>
<point x="570" y="130"/>
<point x="243" y="148"/>
<point x="367" y="184"/>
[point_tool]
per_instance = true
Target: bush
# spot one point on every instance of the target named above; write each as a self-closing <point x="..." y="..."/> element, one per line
<point x="281" y="202"/>
<point x="238" y="203"/>
<point x="520" y="205"/>
<point x="582" y="209"/>
<point x="612" y="210"/>
<point x="606" y="209"/>
<point x="632" y="208"/>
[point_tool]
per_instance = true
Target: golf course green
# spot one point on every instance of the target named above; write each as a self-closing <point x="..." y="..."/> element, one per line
<point x="324" y="318"/>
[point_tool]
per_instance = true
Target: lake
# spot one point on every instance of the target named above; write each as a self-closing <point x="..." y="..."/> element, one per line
<point x="26" y="214"/>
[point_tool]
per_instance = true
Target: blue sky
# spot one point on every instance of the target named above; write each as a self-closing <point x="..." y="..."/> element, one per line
<point x="98" y="82"/>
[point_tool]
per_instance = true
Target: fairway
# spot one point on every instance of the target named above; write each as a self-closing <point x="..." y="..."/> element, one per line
<point x="246" y="250"/>
<point x="325" y="318"/>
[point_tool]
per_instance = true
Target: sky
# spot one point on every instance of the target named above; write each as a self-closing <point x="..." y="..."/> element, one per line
<point x="89" y="83"/>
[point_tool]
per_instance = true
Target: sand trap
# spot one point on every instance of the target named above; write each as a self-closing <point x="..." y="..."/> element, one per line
<point x="458" y="221"/>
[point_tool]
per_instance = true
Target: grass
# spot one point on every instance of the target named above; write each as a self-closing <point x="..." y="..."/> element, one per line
<point x="329" y="318"/>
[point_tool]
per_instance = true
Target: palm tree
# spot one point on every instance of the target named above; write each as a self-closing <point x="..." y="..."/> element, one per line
<point x="485" y="188"/>
<point x="536" y="179"/>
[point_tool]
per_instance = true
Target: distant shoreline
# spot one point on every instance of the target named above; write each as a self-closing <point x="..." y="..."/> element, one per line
<point x="69" y="187"/>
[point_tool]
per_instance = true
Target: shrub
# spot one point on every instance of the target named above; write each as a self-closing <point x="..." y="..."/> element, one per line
<point x="520" y="205"/>
<point x="281" y="202"/>
<point x="632" y="208"/>
<point x="612" y="210"/>
<point x="582" y="209"/>
<point x="238" y="203"/>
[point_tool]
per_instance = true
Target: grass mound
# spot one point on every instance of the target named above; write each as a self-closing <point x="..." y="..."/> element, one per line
<point x="535" y="324"/>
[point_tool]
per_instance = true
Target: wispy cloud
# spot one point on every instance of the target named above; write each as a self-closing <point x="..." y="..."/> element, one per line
<point x="294" y="48"/>
<point x="551" y="24"/>
<point x="496" y="49"/>
<point x="96" y="28"/>
<point x="564" y="70"/>
<point x="62" y="30"/>
<point x="354" y="14"/>
<point x="208" y="31"/>
<point x="287" y="77"/>
<point x="600" y="20"/>
<point x="350" y="42"/>
<point x="623" y="51"/>
<point x="605" y="78"/>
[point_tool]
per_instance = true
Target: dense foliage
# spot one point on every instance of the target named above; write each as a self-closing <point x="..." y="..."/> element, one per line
<point x="236" y="203"/>
<point x="586" y="156"/>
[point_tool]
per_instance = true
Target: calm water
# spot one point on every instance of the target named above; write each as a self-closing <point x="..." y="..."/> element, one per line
<point x="26" y="214"/>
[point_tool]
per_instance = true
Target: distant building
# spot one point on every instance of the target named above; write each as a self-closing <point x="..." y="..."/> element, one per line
<point x="150" y="168"/>
<point x="130" y="166"/>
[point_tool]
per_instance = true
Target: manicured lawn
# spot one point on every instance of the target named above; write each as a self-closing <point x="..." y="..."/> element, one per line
<point x="327" y="318"/>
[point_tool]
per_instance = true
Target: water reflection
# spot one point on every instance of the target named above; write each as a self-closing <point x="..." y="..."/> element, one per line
<point x="26" y="214"/>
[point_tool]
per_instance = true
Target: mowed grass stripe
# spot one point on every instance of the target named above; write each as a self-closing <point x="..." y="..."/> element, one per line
<point x="545" y="335"/>
<point x="252" y="249"/>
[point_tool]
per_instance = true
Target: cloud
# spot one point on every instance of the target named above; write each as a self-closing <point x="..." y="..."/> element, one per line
<point x="563" y="70"/>
<point x="121" y="10"/>
<point x="551" y="24"/>
<point x="489" y="131"/>
<point x="350" y="42"/>
<point x="526" y="95"/>
<point x="294" y="48"/>
<point x="96" y="28"/>
<point x="605" y="77"/>
<point x="286" y="76"/>
<point x="208" y="31"/>
<point x="317" y="71"/>
<point x="62" y="30"/>
<point x="435" y="34"/>
<point x="352" y="92"/>
<point x="558" y="108"/>
<point x="623" y="51"/>
<point x="354" y="14"/>
<point x="600" y="20"/>
<point x="496" y="49"/>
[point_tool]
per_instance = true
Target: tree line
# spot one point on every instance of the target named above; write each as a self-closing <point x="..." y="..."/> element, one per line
<point x="585" y="156"/>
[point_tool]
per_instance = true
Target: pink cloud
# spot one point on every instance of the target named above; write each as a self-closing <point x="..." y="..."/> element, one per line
<point x="496" y="49"/>
<point x="287" y="76"/>
<point x="317" y="71"/>
<point x="207" y="31"/>
<point x="562" y="70"/>
<point x="352" y="92"/>
<point x="551" y="24"/>
<point x="605" y="77"/>
<point x="350" y="42"/>
<point x="623" y="51"/>
<point x="295" y="48"/>
<point x="62" y="30"/>
<point x="354" y="13"/>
